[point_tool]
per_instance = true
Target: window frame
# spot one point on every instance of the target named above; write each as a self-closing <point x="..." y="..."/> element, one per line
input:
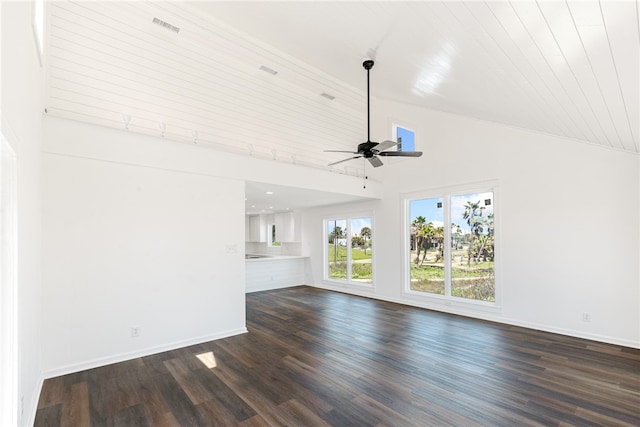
<point x="271" y="230"/>
<point x="325" y="261"/>
<point x="394" y="133"/>
<point x="447" y="193"/>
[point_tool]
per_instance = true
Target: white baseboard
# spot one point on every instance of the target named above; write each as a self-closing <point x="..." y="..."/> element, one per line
<point x="116" y="358"/>
<point x="485" y="316"/>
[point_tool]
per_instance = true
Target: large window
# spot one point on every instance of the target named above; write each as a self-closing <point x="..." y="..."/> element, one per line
<point x="349" y="252"/>
<point x="451" y="241"/>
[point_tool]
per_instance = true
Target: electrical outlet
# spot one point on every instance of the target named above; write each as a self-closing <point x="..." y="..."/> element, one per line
<point x="586" y="317"/>
<point x="135" y="331"/>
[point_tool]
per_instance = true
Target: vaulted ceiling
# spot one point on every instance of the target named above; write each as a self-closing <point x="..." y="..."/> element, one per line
<point x="258" y="78"/>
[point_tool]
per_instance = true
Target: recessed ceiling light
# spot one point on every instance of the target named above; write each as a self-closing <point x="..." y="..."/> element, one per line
<point x="268" y="192"/>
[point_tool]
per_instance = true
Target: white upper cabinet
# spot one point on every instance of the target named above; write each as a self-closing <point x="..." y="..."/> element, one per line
<point x="257" y="229"/>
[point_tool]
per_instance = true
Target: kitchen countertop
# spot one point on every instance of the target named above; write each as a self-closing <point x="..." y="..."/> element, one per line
<point x="265" y="257"/>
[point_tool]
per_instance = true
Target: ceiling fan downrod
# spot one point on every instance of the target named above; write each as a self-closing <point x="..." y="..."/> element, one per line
<point x="372" y="151"/>
<point x="368" y="64"/>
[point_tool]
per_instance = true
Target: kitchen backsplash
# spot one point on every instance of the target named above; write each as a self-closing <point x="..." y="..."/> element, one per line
<point x="284" y="249"/>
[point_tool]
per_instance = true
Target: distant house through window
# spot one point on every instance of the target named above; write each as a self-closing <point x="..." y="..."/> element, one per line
<point x="405" y="137"/>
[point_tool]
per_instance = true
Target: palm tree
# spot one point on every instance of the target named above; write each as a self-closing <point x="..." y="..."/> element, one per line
<point x="486" y="240"/>
<point x="473" y="214"/>
<point x="417" y="225"/>
<point x="336" y="234"/>
<point x="439" y="238"/>
<point x="334" y="237"/>
<point x="365" y="233"/>
<point x="426" y="234"/>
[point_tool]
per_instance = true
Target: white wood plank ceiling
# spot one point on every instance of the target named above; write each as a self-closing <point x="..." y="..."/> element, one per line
<point x="565" y="68"/>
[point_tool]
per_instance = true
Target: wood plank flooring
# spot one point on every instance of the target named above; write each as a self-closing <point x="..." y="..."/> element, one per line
<point x="319" y="358"/>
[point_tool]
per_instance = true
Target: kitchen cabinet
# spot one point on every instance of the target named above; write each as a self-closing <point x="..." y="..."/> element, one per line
<point x="274" y="272"/>
<point x="286" y="230"/>
<point x="257" y="228"/>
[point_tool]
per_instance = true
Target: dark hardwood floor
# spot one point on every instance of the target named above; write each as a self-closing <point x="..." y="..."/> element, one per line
<point x="314" y="358"/>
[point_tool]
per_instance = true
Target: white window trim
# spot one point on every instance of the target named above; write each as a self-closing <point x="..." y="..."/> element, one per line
<point x="394" y="132"/>
<point x="449" y="300"/>
<point x="325" y="269"/>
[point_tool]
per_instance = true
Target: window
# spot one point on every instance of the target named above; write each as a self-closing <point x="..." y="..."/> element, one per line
<point x="271" y="238"/>
<point x="349" y="252"/>
<point x="451" y="240"/>
<point x="406" y="138"/>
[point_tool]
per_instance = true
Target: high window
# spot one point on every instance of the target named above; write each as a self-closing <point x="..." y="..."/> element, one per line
<point x="451" y="241"/>
<point x="348" y="250"/>
<point x="406" y="138"/>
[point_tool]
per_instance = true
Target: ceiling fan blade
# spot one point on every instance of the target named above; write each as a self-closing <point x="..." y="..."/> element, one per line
<point x="344" y="160"/>
<point x="340" y="151"/>
<point x="401" y="153"/>
<point x="384" y="145"/>
<point x="375" y="162"/>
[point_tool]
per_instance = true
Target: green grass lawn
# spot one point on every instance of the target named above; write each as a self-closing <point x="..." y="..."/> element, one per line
<point x="338" y="263"/>
<point x="358" y="271"/>
<point x="356" y="253"/>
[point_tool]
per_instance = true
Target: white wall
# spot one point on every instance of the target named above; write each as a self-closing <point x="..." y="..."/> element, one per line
<point x="22" y="93"/>
<point x="136" y="232"/>
<point x="128" y="246"/>
<point x="567" y="212"/>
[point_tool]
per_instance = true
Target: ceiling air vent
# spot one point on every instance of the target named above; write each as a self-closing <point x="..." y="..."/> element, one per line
<point x="326" y="95"/>
<point x="268" y="70"/>
<point x="166" y="25"/>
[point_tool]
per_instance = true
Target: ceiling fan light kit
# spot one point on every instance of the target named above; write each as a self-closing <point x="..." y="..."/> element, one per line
<point x="372" y="150"/>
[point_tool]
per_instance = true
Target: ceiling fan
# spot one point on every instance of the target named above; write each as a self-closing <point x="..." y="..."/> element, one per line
<point x="371" y="150"/>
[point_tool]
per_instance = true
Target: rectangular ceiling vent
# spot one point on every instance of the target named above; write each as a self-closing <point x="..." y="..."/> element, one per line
<point x="326" y="95"/>
<point x="268" y="70"/>
<point x="166" y="25"/>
